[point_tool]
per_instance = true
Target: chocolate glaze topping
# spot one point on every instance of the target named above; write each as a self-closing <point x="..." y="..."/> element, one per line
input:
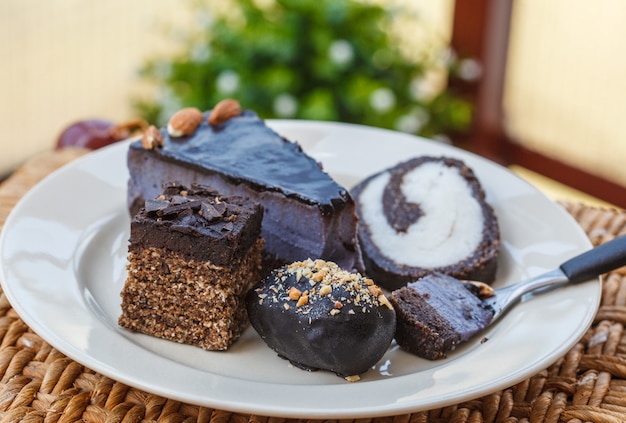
<point x="321" y="317"/>
<point x="168" y="220"/>
<point x="245" y="150"/>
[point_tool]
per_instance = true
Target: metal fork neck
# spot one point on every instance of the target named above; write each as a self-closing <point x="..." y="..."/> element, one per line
<point x="505" y="297"/>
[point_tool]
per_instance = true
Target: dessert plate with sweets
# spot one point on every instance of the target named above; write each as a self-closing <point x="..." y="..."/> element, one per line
<point x="64" y="251"/>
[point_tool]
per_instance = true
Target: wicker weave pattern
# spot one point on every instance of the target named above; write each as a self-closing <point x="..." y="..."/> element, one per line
<point x="39" y="384"/>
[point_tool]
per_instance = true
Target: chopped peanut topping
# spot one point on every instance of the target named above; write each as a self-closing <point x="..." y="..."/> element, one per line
<point x="325" y="290"/>
<point x="319" y="276"/>
<point x="294" y="293"/>
<point x="320" y="283"/>
<point x="304" y="299"/>
<point x="374" y="290"/>
<point x="383" y="300"/>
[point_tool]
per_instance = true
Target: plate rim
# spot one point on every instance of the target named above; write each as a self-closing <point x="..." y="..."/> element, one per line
<point x="239" y="407"/>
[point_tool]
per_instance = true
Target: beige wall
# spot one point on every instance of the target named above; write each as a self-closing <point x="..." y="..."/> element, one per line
<point x="566" y="90"/>
<point x="65" y="60"/>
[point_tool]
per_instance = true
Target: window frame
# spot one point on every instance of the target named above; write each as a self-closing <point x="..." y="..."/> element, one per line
<point x="480" y="30"/>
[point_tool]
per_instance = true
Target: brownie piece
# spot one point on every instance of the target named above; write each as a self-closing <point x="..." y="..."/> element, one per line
<point x="306" y="213"/>
<point x="437" y="313"/>
<point x="319" y="316"/>
<point x="192" y="256"/>
<point x="424" y="215"/>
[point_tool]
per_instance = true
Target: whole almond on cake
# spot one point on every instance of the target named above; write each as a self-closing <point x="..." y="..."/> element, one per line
<point x="184" y="122"/>
<point x="224" y="110"/>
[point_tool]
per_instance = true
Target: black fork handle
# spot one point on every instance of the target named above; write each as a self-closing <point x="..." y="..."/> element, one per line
<point x="601" y="259"/>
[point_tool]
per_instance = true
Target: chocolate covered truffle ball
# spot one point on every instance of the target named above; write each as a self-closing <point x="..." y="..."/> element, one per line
<point x="318" y="316"/>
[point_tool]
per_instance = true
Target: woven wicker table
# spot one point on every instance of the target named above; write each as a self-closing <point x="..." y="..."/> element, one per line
<point x="39" y="384"/>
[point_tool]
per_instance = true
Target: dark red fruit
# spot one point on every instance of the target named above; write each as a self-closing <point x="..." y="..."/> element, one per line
<point x="95" y="133"/>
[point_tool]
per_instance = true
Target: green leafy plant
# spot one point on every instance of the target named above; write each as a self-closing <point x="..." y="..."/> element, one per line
<point x="339" y="60"/>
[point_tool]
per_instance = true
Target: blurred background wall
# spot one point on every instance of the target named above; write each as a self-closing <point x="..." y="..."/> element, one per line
<point x="565" y="92"/>
<point x="66" y="60"/>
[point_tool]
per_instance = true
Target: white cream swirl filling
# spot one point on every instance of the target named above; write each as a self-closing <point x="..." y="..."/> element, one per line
<point x="450" y="228"/>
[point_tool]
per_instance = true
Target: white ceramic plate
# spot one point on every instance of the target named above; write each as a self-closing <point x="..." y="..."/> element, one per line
<point x="63" y="254"/>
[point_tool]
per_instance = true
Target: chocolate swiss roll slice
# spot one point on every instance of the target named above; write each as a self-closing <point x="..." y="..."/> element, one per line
<point x="426" y="215"/>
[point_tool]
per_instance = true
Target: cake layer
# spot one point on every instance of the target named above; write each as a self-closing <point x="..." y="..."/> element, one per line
<point x="193" y="302"/>
<point x="306" y="213"/>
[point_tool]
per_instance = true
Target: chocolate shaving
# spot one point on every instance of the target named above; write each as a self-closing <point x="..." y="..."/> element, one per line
<point x="189" y="209"/>
<point x="220" y="207"/>
<point x="179" y="199"/>
<point x="156" y="204"/>
<point x="211" y="212"/>
<point x="180" y="209"/>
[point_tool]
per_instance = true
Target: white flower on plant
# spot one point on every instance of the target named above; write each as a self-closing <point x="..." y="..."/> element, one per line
<point x="227" y="82"/>
<point x="414" y="121"/>
<point x="470" y="69"/>
<point x="427" y="86"/>
<point x="409" y="124"/>
<point x="285" y="105"/>
<point x="200" y="53"/>
<point x="203" y="18"/>
<point x="341" y="52"/>
<point x="382" y="99"/>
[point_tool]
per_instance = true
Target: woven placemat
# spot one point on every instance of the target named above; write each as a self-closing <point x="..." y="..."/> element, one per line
<point x="39" y="384"/>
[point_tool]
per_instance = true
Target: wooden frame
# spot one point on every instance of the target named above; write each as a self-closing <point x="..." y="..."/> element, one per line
<point x="481" y="31"/>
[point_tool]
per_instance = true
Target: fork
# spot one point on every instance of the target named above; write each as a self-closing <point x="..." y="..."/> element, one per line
<point x="588" y="265"/>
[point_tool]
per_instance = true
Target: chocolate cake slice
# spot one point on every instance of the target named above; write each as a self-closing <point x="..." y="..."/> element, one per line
<point x="306" y="213"/>
<point x="425" y="215"/>
<point x="437" y="313"/>
<point x="192" y="256"/>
